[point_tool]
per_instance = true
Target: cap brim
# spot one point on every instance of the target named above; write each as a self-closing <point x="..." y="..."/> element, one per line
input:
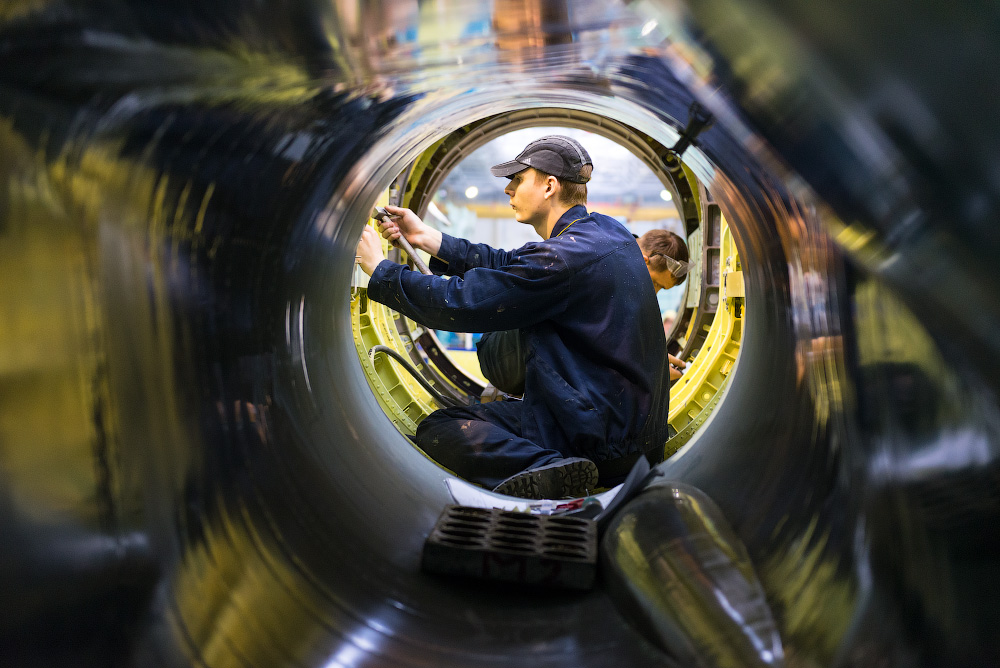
<point x="507" y="169"/>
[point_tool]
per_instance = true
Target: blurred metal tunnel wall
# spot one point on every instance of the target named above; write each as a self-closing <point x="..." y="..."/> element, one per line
<point x="193" y="469"/>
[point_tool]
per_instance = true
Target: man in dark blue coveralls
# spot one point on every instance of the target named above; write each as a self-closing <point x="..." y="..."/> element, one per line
<point x="596" y="393"/>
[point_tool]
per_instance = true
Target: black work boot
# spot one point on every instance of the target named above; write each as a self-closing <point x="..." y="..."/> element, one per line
<point x="573" y="477"/>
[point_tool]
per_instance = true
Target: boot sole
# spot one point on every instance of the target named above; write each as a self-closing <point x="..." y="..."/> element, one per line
<point x="572" y="480"/>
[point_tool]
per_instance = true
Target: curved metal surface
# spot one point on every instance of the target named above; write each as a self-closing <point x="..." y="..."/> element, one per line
<point x="674" y="566"/>
<point x="194" y="470"/>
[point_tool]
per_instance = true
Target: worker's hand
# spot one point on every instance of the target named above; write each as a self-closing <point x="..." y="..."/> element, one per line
<point x="405" y="222"/>
<point x="675" y="364"/>
<point x="369" y="250"/>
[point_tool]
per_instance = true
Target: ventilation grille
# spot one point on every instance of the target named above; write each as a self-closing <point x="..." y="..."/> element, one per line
<point x="506" y="546"/>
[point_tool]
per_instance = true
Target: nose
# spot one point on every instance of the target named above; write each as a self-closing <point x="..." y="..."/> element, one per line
<point x="509" y="190"/>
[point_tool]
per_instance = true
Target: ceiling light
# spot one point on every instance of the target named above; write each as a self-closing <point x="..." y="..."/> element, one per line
<point x="471" y="192"/>
<point x="665" y="195"/>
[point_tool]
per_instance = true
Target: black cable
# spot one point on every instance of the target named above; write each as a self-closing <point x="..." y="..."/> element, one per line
<point x="699" y="120"/>
<point x="448" y="402"/>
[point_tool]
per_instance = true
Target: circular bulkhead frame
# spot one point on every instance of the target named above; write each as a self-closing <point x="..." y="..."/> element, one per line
<point x="706" y="332"/>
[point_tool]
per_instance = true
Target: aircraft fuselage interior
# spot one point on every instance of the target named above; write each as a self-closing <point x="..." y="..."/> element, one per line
<point x="206" y="452"/>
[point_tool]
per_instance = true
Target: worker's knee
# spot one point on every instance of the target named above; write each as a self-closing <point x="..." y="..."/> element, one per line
<point x="441" y="437"/>
<point x="438" y="425"/>
<point x="441" y="418"/>
<point x="467" y="428"/>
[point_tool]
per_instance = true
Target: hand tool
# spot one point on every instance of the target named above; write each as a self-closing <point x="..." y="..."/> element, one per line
<point x="381" y="214"/>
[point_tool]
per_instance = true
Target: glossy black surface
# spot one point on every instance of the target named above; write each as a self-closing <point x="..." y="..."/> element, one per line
<point x="194" y="471"/>
<point x="676" y="569"/>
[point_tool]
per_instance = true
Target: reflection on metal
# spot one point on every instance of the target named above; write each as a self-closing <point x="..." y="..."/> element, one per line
<point x="193" y="470"/>
<point x="676" y="567"/>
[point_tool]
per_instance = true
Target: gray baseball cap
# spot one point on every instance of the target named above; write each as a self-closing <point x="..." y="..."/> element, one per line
<point x="557" y="155"/>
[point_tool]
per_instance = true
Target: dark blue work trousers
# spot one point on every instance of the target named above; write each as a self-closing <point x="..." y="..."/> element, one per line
<point x="482" y="443"/>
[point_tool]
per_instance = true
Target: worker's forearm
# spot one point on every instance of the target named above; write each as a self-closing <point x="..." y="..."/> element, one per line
<point x="427" y="239"/>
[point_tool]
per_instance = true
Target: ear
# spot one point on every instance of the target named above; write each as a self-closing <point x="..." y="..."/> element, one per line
<point x="551" y="186"/>
<point x="646" y="259"/>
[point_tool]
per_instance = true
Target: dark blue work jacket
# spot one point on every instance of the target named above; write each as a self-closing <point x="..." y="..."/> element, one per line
<point x="595" y="384"/>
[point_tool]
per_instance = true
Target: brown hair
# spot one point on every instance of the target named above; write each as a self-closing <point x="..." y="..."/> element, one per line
<point x="663" y="242"/>
<point x="571" y="193"/>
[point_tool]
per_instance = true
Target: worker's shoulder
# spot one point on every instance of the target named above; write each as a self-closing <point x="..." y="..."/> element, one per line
<point x="594" y="233"/>
<point x="538" y="256"/>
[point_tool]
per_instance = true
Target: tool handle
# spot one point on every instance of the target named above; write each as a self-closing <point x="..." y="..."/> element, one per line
<point x="417" y="260"/>
<point x="379" y="214"/>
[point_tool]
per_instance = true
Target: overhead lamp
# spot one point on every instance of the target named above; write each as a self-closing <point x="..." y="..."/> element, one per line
<point x="471" y="192"/>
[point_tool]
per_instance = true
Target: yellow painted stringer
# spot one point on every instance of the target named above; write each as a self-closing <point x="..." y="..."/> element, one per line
<point x="399" y="394"/>
<point x="696" y="393"/>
